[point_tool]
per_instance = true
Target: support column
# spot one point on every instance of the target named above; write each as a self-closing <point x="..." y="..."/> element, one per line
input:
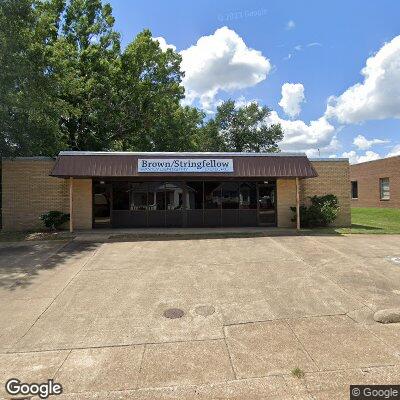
<point x="297" y="204"/>
<point x="71" y="204"/>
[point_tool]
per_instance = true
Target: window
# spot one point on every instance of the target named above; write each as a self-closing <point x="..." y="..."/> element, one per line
<point x="230" y="195"/>
<point x="384" y="186"/>
<point x="248" y="196"/>
<point x="212" y="195"/>
<point x="194" y="195"/>
<point x="121" y="192"/>
<point x="354" y="189"/>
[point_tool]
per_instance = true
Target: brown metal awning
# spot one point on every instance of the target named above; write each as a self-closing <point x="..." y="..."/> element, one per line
<point x="125" y="165"/>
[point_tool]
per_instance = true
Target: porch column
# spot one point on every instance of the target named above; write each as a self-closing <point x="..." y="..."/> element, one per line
<point x="71" y="204"/>
<point x="297" y="204"/>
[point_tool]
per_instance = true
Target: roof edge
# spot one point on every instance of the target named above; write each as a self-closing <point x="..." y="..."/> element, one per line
<point x="181" y="154"/>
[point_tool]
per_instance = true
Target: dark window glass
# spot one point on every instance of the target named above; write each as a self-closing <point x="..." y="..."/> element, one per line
<point x="384" y="188"/>
<point x="354" y="189"/>
<point x="212" y="195"/>
<point x="230" y="195"/>
<point x="194" y="199"/>
<point x="174" y="195"/>
<point x="248" y="196"/>
<point x="121" y="195"/>
<point x="156" y="196"/>
<point x="138" y="196"/>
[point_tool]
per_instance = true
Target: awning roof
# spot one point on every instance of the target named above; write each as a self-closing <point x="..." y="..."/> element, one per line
<point x="80" y="164"/>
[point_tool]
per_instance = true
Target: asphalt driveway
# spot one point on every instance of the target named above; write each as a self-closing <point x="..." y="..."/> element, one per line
<point x="93" y="316"/>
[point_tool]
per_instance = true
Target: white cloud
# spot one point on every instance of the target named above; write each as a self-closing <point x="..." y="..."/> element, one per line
<point x="299" y="136"/>
<point x="395" y="151"/>
<point x="354" y="158"/>
<point x="221" y="61"/>
<point x="163" y="44"/>
<point x="292" y="97"/>
<point x="363" y="143"/>
<point x="290" y="25"/>
<point x="378" y="96"/>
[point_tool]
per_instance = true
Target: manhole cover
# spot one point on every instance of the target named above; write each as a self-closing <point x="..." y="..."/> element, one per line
<point x="173" y="313"/>
<point x="204" y="311"/>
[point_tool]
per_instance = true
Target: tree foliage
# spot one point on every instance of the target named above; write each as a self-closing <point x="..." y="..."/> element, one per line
<point x="66" y="83"/>
<point x="241" y="129"/>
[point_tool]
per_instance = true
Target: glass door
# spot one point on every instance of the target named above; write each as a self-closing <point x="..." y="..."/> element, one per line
<point x="102" y="203"/>
<point x="267" y="203"/>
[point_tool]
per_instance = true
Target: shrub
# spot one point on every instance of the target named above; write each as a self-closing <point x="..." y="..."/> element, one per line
<point x="54" y="219"/>
<point x="322" y="211"/>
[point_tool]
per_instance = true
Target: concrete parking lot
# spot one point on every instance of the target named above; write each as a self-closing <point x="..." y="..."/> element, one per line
<point x="92" y="316"/>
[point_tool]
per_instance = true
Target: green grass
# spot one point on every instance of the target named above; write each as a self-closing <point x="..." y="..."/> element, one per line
<point x="370" y="220"/>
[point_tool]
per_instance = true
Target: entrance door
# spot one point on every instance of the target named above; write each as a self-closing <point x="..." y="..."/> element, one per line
<point x="267" y="203"/>
<point x="102" y="201"/>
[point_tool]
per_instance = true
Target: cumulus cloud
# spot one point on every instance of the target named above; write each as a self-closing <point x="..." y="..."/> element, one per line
<point x="163" y="44"/>
<point x="395" y="151"/>
<point x="221" y="61"/>
<point x="378" y="96"/>
<point x="299" y="136"/>
<point x="363" y="143"/>
<point x="292" y="97"/>
<point x="354" y="158"/>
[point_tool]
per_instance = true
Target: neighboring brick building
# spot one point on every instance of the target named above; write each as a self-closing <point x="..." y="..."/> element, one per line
<point x="109" y="189"/>
<point x="376" y="183"/>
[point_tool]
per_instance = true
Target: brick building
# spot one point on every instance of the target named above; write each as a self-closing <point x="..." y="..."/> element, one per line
<point x="121" y="190"/>
<point x="376" y="183"/>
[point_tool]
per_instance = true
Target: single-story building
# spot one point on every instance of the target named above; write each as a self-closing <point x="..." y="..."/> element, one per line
<point x="376" y="183"/>
<point x="129" y="190"/>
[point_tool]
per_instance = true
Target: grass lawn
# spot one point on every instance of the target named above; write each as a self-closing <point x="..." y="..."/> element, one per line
<point x="371" y="220"/>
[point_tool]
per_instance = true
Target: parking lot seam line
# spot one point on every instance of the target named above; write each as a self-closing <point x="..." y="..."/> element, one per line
<point x="62" y="290"/>
<point x="229" y="353"/>
<point x="113" y="345"/>
<point x="140" y="366"/>
<point x="283" y="318"/>
<point x="302" y="345"/>
<point x="60" y="366"/>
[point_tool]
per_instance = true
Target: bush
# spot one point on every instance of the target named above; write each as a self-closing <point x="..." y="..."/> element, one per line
<point x="322" y="211"/>
<point x="54" y="219"/>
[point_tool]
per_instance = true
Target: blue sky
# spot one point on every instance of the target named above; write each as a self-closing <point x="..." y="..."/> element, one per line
<point x="321" y="45"/>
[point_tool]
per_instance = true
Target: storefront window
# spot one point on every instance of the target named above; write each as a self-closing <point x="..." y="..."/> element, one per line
<point x="248" y="196"/>
<point x="138" y="196"/>
<point x="212" y="195"/>
<point x="156" y="196"/>
<point x="121" y="192"/>
<point x="194" y="195"/>
<point x="230" y="195"/>
<point x="174" y="195"/>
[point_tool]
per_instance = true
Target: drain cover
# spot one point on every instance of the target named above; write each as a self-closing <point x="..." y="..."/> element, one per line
<point x="204" y="311"/>
<point x="173" y="313"/>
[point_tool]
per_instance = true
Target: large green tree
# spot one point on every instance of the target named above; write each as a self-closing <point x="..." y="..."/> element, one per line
<point x="240" y="129"/>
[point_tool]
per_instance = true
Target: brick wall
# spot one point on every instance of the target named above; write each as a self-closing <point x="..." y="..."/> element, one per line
<point x="368" y="174"/>
<point x="286" y="198"/>
<point x="28" y="191"/>
<point x="333" y="178"/>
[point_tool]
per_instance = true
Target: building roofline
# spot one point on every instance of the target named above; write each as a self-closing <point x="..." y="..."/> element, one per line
<point x="174" y="153"/>
<point x="374" y="161"/>
<point x="327" y="159"/>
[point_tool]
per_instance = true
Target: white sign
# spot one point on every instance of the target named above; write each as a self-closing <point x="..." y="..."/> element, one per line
<point x="185" y="165"/>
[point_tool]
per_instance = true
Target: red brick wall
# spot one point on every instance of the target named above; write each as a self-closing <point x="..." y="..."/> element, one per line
<point x="368" y="174"/>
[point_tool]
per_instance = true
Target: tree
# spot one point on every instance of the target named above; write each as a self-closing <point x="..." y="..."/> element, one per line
<point x="240" y="129"/>
<point x="28" y="109"/>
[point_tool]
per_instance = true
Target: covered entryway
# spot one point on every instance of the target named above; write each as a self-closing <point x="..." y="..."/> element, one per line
<point x="185" y="189"/>
<point x="125" y="204"/>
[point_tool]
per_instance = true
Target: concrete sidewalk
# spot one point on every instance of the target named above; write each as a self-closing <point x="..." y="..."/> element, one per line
<point x="92" y="315"/>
